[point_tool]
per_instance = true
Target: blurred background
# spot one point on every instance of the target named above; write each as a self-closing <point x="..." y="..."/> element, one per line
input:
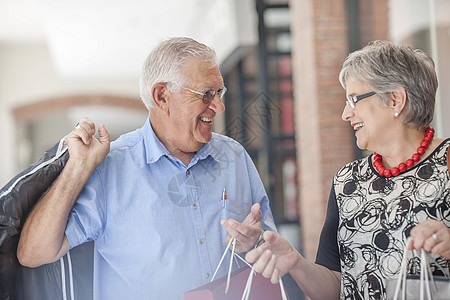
<point x="61" y="60"/>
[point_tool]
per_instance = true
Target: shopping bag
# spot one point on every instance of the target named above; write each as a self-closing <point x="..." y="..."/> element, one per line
<point x="415" y="287"/>
<point x="439" y="288"/>
<point x="243" y="283"/>
<point x="261" y="289"/>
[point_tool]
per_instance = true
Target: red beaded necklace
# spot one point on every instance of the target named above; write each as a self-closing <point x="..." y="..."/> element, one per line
<point x="377" y="159"/>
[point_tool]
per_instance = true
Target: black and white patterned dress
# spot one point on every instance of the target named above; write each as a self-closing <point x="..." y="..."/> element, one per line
<point x="374" y="217"/>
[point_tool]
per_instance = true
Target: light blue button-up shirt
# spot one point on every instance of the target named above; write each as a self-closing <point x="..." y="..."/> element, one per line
<point x="156" y="222"/>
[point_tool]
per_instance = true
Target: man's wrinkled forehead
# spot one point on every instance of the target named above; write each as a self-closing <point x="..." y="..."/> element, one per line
<point x="196" y="71"/>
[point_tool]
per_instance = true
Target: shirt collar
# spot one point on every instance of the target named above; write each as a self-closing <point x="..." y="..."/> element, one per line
<point x="208" y="149"/>
<point x="154" y="149"/>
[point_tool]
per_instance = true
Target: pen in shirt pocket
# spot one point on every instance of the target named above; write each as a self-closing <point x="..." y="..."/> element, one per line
<point x="224" y="197"/>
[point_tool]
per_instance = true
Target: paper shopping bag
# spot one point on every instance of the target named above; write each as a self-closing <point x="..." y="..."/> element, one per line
<point x="439" y="288"/>
<point x="262" y="288"/>
<point x="412" y="287"/>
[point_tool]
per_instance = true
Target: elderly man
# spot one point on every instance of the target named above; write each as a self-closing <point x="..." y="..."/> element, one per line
<point x="153" y="202"/>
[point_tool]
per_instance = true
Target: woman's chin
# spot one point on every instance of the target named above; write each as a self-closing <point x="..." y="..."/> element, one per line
<point x="360" y="144"/>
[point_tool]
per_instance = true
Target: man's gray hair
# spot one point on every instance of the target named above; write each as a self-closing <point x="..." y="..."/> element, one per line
<point x="165" y="64"/>
<point x="386" y="67"/>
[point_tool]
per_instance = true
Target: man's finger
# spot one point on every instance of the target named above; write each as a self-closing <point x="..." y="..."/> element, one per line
<point x="256" y="210"/>
<point x="103" y="134"/>
<point x="235" y="229"/>
<point x="81" y="133"/>
<point x="254" y="217"/>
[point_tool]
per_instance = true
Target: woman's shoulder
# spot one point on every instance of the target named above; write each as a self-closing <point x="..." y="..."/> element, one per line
<point x="358" y="168"/>
<point x="439" y="148"/>
<point x="439" y="143"/>
<point x="357" y="163"/>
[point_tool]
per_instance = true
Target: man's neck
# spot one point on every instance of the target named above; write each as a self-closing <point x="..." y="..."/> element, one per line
<point x="158" y="129"/>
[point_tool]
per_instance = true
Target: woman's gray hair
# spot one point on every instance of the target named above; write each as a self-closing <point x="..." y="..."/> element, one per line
<point x="386" y="67"/>
<point x="165" y="64"/>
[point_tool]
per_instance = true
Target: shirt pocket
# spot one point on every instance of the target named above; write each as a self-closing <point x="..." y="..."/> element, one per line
<point x="237" y="210"/>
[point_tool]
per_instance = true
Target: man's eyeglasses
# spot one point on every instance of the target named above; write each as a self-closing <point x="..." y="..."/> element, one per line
<point x="351" y="100"/>
<point x="208" y="96"/>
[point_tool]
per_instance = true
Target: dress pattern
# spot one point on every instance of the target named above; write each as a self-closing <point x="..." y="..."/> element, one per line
<point x="376" y="215"/>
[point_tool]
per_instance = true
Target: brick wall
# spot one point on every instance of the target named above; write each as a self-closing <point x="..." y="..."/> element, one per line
<point x="324" y="142"/>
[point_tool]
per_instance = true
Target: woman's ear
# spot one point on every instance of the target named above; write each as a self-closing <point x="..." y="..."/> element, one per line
<point x="398" y="101"/>
<point x="160" y="95"/>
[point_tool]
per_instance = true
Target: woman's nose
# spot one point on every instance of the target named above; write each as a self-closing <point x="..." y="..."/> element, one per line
<point x="347" y="113"/>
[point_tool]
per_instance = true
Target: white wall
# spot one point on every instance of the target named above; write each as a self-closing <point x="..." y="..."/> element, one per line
<point x="426" y="25"/>
<point x="27" y="75"/>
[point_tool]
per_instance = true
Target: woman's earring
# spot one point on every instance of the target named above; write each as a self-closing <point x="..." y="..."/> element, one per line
<point x="396" y="114"/>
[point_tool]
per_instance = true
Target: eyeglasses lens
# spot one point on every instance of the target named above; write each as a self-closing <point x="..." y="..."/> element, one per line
<point x="351" y="102"/>
<point x="222" y="92"/>
<point x="208" y="96"/>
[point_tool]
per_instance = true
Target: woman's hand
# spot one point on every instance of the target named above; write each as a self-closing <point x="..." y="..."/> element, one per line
<point x="433" y="236"/>
<point x="274" y="258"/>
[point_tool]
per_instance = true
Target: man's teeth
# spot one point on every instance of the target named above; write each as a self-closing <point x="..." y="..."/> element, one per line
<point x="358" y="126"/>
<point x="206" y="119"/>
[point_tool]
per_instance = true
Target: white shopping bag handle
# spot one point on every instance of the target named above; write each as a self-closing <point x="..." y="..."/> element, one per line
<point x="246" y="293"/>
<point x="248" y="286"/>
<point x="424" y="276"/>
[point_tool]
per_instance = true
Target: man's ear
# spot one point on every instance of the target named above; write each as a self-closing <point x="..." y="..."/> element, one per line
<point x="160" y="95"/>
<point x="398" y="100"/>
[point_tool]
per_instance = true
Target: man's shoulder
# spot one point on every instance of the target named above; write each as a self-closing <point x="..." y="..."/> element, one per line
<point x="127" y="140"/>
<point x="127" y="147"/>
<point x="223" y="139"/>
<point x="223" y="144"/>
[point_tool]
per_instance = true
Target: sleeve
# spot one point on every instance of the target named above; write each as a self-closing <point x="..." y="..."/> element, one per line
<point x="328" y="251"/>
<point x="86" y="219"/>
<point x="260" y="195"/>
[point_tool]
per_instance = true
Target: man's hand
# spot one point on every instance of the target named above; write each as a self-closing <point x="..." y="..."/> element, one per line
<point x="246" y="233"/>
<point x="84" y="147"/>
<point x="43" y="239"/>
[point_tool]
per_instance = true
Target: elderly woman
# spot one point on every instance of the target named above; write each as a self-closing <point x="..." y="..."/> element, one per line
<point x="377" y="202"/>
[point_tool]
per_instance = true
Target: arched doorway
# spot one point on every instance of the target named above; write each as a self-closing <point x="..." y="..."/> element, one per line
<point x="42" y="124"/>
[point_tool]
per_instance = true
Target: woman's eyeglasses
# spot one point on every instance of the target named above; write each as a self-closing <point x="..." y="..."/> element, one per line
<point x="351" y="100"/>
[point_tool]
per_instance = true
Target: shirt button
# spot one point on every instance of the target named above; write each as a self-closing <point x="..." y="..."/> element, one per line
<point x="201" y="241"/>
<point x="207" y="275"/>
<point x="195" y="205"/>
<point x="187" y="172"/>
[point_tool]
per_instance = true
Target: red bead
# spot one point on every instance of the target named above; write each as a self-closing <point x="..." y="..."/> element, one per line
<point x="409" y="163"/>
<point x="395" y="171"/>
<point x="387" y="173"/>
<point x="421" y="150"/>
<point x="402" y="167"/>
<point x="424" y="144"/>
